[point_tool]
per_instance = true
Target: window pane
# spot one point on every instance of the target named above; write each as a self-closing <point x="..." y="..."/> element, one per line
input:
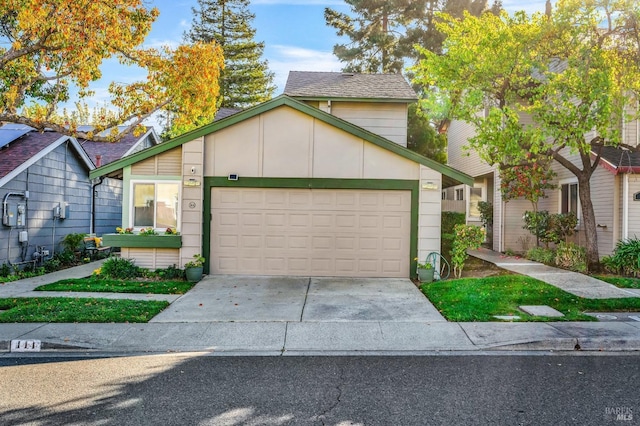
<point x="143" y="204"/>
<point x="574" y="198"/>
<point x="564" y="197"/>
<point x="475" y="196"/>
<point x="167" y="205"/>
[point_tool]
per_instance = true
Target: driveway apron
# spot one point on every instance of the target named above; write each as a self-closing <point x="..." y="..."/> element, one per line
<point x="235" y="298"/>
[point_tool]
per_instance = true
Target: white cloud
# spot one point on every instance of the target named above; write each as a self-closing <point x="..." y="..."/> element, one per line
<point x="155" y="43"/>
<point x="283" y="59"/>
<point x="528" y="6"/>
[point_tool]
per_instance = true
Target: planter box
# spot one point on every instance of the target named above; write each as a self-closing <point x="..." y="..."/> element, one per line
<point x="142" y="241"/>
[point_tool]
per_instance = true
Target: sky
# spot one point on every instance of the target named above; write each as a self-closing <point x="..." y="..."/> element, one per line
<point x="294" y="32"/>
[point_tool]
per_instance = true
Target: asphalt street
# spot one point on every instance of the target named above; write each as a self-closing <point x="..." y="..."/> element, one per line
<point x="189" y="389"/>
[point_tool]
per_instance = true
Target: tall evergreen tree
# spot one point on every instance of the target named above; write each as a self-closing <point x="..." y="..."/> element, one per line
<point x="246" y="79"/>
<point x="382" y="33"/>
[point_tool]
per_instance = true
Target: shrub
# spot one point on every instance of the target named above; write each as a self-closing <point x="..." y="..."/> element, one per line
<point x="71" y="242"/>
<point x="52" y="264"/>
<point x="542" y="255"/>
<point x="119" y="268"/>
<point x="448" y="221"/>
<point x="625" y="258"/>
<point x="486" y="213"/>
<point x="5" y="270"/>
<point x="550" y="228"/>
<point x="571" y="256"/>
<point x="466" y="237"/>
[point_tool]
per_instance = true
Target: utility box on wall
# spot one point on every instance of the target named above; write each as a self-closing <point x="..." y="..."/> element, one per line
<point x="14" y="215"/>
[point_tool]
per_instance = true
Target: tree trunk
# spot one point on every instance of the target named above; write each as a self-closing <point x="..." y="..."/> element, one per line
<point x="589" y="223"/>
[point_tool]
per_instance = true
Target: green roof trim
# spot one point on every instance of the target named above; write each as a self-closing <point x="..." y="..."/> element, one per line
<point x="283" y="100"/>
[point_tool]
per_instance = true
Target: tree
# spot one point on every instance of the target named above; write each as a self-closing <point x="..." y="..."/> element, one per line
<point x="423" y="138"/>
<point x="574" y="73"/>
<point x="383" y="33"/>
<point x="48" y="46"/>
<point x="246" y="79"/>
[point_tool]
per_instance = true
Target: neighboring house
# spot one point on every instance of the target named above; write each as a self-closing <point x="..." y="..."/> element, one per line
<point x="286" y="188"/>
<point x="615" y="192"/>
<point x="108" y="196"/>
<point x="46" y="192"/>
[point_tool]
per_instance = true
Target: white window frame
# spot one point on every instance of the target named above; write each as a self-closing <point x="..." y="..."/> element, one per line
<point x="154" y="182"/>
<point x="571" y="181"/>
<point x="459" y="190"/>
<point x="482" y="186"/>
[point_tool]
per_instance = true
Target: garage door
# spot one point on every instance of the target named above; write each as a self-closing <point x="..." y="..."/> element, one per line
<point x="314" y="232"/>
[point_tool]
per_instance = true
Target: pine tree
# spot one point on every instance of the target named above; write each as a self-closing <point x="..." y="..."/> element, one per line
<point x="246" y="79"/>
<point x="382" y="33"/>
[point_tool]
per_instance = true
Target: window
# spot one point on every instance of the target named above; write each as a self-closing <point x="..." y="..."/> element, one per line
<point x="475" y="196"/>
<point x="444" y="195"/>
<point x="460" y="194"/>
<point x="569" y="198"/>
<point x="155" y="204"/>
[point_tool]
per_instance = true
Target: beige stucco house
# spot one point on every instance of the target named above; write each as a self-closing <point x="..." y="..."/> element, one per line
<point x="294" y="186"/>
<point x="615" y="192"/>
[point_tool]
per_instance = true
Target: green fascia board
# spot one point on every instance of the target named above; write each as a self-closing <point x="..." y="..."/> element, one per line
<point x="142" y="241"/>
<point x="299" y="106"/>
<point x="314" y="183"/>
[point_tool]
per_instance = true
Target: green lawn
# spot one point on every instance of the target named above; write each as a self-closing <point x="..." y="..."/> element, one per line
<point x="70" y="310"/>
<point x="479" y="299"/>
<point x="117" y="286"/>
<point x="624" y="282"/>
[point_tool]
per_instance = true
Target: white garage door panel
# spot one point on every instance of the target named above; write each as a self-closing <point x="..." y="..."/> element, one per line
<point x="317" y="232"/>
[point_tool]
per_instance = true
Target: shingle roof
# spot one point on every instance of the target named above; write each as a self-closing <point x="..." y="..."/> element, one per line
<point x="621" y="160"/>
<point x="109" y="151"/>
<point x="14" y="154"/>
<point x="225" y="112"/>
<point x="336" y="85"/>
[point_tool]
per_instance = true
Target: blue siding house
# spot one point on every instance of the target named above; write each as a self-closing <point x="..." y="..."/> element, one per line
<point x="46" y="192"/>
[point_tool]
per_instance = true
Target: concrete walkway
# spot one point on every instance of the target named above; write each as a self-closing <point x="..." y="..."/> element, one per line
<point x="571" y="282"/>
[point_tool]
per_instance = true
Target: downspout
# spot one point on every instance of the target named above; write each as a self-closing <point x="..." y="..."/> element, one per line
<point x="92" y="228"/>
<point x="93" y="204"/>
<point x="625" y="206"/>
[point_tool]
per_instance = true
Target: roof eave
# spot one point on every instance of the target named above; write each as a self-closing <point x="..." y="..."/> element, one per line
<point x="354" y="99"/>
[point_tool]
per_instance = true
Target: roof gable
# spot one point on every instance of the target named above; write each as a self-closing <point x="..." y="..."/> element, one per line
<point x="112" y="151"/>
<point x="284" y="100"/>
<point x="20" y="154"/>
<point x="349" y="86"/>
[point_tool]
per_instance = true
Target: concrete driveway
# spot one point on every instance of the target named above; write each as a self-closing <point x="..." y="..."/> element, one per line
<point x="226" y="298"/>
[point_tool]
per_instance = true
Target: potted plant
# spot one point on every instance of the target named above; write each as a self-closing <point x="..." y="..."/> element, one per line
<point x="193" y="269"/>
<point x="425" y="272"/>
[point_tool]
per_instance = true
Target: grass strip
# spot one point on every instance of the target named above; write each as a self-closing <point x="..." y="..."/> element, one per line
<point x="72" y="310"/>
<point x="624" y="282"/>
<point x="479" y="299"/>
<point x="118" y="286"/>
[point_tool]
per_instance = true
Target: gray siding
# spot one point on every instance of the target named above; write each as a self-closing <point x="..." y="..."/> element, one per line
<point x="108" y="206"/>
<point x="58" y="177"/>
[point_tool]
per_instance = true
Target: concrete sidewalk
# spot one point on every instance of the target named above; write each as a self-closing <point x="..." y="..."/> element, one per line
<point x="326" y="338"/>
<point x="571" y="282"/>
